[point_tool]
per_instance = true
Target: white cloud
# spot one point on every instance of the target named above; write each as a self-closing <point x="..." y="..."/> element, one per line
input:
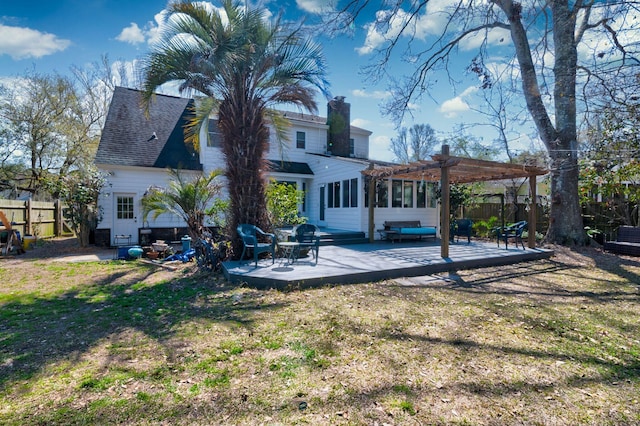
<point x="433" y="21"/>
<point x="494" y="36"/>
<point x="452" y="107"/>
<point x="149" y="34"/>
<point x="131" y="34"/>
<point x="379" y="148"/>
<point x="154" y="29"/>
<point x="502" y="71"/>
<point x="376" y="94"/>
<point x="360" y="122"/>
<point x="468" y="91"/>
<point x="315" y="6"/>
<point x="429" y="23"/>
<point x="375" y="37"/>
<point x="22" y="43"/>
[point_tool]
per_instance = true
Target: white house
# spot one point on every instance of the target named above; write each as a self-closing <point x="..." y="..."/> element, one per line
<point x="324" y="157"/>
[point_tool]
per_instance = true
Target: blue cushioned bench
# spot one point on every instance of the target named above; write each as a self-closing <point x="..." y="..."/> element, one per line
<point x="406" y="229"/>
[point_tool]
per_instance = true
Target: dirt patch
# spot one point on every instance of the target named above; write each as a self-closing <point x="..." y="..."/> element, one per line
<point x="56" y="247"/>
<point x="68" y="249"/>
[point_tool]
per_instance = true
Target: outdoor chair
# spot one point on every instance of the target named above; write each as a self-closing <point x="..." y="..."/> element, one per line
<point x="251" y="240"/>
<point x="461" y="227"/>
<point x="305" y="235"/>
<point x="513" y="232"/>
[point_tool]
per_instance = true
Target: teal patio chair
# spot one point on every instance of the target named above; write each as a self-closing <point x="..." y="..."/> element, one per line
<point x="513" y="232"/>
<point x="252" y="239"/>
<point x="461" y="228"/>
<point x="306" y="236"/>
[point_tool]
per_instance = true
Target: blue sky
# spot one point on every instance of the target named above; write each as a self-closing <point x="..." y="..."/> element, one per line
<point x="55" y="35"/>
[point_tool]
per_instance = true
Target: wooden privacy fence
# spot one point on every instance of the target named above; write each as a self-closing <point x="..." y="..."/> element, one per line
<point x="39" y="218"/>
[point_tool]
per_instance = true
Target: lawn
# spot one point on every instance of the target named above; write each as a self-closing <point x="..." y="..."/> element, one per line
<point x="553" y="342"/>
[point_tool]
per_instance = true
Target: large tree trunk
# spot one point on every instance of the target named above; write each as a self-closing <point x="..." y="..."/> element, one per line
<point x="565" y="221"/>
<point x="245" y="139"/>
<point x="565" y="218"/>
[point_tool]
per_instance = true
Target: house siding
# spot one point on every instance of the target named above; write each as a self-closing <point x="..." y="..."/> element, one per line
<point x="315" y="141"/>
<point x="135" y="181"/>
<point x="428" y="216"/>
<point x="330" y="170"/>
<point x="325" y="169"/>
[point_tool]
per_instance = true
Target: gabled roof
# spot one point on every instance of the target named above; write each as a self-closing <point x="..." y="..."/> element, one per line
<point x="132" y="137"/>
<point x="310" y="118"/>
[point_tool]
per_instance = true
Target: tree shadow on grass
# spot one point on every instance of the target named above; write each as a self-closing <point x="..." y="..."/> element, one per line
<point x="36" y="331"/>
<point x="620" y="266"/>
<point x="545" y="272"/>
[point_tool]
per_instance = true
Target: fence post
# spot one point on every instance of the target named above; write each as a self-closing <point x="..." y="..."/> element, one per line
<point x="57" y="218"/>
<point x="29" y="214"/>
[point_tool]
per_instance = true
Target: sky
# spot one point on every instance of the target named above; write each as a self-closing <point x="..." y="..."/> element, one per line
<point x="52" y="36"/>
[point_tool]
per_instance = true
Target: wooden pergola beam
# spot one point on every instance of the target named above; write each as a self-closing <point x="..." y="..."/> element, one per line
<point x="446" y="203"/>
<point x="462" y="170"/>
<point x="533" y="214"/>
<point x="451" y="170"/>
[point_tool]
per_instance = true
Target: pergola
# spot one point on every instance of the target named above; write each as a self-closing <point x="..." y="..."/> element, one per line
<point x="449" y="169"/>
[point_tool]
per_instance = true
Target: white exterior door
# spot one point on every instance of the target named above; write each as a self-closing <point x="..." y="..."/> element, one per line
<point x="125" y="219"/>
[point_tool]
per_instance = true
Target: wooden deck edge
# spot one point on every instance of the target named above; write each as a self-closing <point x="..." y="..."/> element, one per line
<point x="380" y="275"/>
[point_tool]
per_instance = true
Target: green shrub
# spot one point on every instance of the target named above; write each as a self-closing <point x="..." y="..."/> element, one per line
<point x="484" y="228"/>
<point x="283" y="200"/>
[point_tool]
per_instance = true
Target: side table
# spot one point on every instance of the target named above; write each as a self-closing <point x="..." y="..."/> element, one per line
<point x="289" y="250"/>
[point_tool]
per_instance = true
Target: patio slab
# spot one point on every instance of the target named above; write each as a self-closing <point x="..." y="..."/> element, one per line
<point x="369" y="262"/>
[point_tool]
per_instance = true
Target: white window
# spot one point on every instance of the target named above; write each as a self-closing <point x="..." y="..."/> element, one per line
<point x="215" y="138"/>
<point x="301" y="140"/>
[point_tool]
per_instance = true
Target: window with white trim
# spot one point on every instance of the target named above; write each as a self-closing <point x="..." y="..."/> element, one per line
<point x="301" y="140"/>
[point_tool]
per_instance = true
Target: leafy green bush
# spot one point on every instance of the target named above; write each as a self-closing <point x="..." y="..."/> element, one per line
<point x="282" y="204"/>
<point x="218" y="212"/>
<point x="484" y="228"/>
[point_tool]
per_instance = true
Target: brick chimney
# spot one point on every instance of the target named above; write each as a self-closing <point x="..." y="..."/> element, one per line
<point x="338" y="119"/>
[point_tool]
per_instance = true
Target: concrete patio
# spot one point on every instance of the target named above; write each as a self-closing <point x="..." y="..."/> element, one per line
<point x="354" y="263"/>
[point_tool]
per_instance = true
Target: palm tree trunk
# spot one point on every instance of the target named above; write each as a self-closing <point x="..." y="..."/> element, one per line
<point x="245" y="139"/>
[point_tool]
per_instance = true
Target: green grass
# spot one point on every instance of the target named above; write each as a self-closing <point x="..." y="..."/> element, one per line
<point x="548" y="342"/>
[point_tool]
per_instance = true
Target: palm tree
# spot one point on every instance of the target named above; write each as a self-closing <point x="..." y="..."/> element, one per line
<point x="184" y="197"/>
<point x="244" y="66"/>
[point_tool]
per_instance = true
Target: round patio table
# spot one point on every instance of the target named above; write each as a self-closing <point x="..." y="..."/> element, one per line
<point x="289" y="250"/>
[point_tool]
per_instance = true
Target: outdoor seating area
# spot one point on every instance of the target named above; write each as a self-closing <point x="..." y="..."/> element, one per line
<point x="290" y="246"/>
<point x="627" y="241"/>
<point x="511" y="232"/>
<point x="406" y="229"/>
<point x="369" y="262"/>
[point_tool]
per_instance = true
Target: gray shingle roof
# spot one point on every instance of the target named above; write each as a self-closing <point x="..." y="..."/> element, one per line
<point x="290" y="167"/>
<point x="293" y="115"/>
<point x="128" y="135"/>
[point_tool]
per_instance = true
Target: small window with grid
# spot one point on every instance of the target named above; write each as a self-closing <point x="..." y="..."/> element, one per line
<point x="125" y="207"/>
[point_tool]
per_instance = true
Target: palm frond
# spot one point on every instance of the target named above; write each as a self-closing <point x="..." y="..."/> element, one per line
<point x="187" y="198"/>
<point x="201" y="111"/>
<point x="281" y="126"/>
